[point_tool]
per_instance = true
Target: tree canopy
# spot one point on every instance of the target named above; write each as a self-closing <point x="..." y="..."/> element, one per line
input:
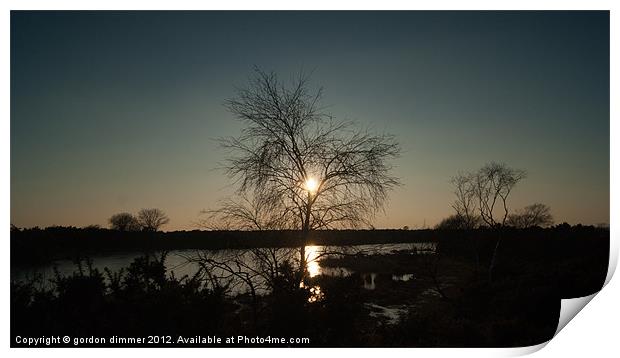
<point x="294" y="159"/>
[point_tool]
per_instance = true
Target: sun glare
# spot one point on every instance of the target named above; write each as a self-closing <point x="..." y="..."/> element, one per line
<point x="311" y="185"/>
<point x="312" y="265"/>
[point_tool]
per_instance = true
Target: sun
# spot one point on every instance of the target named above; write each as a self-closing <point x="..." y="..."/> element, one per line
<point x="311" y="185"/>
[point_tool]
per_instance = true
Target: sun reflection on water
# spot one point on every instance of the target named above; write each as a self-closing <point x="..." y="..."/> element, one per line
<point x="312" y="264"/>
<point x="315" y="294"/>
<point x="314" y="269"/>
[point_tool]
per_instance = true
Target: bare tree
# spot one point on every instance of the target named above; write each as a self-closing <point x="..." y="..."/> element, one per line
<point x="486" y="192"/>
<point x="253" y="271"/>
<point x="124" y="222"/>
<point x="152" y="219"/>
<point x="258" y="269"/>
<point x="465" y="202"/>
<point x="243" y="213"/>
<point x="493" y="184"/>
<point x="322" y="173"/>
<point x="530" y="216"/>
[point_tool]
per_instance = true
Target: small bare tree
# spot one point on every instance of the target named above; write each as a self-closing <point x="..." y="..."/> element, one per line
<point x="493" y="184"/>
<point x="532" y="215"/>
<point x="152" y="219"/>
<point x="486" y="192"/>
<point x="465" y="202"/>
<point x="124" y="222"/>
<point x="319" y="172"/>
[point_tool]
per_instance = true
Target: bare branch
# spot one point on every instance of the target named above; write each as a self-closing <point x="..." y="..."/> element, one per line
<point x="287" y="140"/>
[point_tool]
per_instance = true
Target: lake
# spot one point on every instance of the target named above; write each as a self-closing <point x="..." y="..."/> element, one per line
<point x="251" y="261"/>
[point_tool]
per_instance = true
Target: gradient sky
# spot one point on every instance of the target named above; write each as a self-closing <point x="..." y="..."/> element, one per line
<point x="115" y="112"/>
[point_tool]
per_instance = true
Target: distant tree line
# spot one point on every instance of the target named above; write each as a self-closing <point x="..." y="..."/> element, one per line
<point x="535" y="215"/>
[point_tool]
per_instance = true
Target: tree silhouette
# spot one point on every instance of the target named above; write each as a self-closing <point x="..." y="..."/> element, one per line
<point x="493" y="184"/>
<point x="152" y="219"/>
<point x="464" y="204"/>
<point x="291" y="156"/>
<point x="458" y="222"/>
<point x="532" y="215"/>
<point x="483" y="195"/>
<point x="244" y="213"/>
<point x="124" y="222"/>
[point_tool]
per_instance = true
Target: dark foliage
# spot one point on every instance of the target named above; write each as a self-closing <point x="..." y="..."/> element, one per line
<point x="451" y="304"/>
<point x="143" y="300"/>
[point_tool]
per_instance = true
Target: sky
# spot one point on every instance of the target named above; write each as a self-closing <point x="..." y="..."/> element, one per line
<point x="118" y="111"/>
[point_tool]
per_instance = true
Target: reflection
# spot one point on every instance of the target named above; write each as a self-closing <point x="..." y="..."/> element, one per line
<point x="252" y="264"/>
<point x="315" y="294"/>
<point x="336" y="271"/>
<point x="312" y="264"/>
<point x="405" y="277"/>
<point x="369" y="281"/>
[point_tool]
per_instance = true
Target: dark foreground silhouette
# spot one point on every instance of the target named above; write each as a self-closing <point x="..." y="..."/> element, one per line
<point x="449" y="302"/>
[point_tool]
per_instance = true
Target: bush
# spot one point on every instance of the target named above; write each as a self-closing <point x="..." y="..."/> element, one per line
<point x="142" y="301"/>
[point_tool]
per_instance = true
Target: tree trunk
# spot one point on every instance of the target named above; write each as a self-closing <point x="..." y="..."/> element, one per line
<point x="477" y="255"/>
<point x="494" y="258"/>
<point x="305" y="232"/>
<point x="302" y="259"/>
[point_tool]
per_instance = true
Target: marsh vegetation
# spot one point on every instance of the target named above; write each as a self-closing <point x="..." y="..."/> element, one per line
<point x="408" y="294"/>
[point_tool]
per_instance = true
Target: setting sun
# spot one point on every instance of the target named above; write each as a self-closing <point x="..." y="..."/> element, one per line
<point x="311" y="185"/>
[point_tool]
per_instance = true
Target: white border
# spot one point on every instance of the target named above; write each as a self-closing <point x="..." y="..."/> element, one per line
<point x="594" y="327"/>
